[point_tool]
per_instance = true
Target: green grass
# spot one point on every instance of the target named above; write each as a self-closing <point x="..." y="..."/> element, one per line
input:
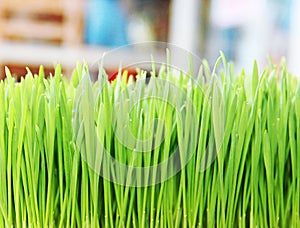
<point x="221" y="150"/>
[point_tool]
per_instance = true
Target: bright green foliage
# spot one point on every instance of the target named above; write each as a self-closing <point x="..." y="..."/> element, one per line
<point x="237" y="138"/>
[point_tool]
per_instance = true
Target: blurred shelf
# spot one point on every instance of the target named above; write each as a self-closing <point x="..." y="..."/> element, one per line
<point x="31" y="7"/>
<point x="33" y="30"/>
<point x="49" y="21"/>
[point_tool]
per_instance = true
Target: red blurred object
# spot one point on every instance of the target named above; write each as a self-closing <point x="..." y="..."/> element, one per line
<point x="112" y="74"/>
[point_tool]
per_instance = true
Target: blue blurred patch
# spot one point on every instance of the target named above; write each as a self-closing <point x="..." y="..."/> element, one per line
<point x="105" y="23"/>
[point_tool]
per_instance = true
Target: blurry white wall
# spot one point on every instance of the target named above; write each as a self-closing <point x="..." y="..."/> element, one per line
<point x="294" y="42"/>
<point x="184" y="23"/>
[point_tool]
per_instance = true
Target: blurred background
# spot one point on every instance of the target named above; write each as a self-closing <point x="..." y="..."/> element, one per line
<point x="35" y="32"/>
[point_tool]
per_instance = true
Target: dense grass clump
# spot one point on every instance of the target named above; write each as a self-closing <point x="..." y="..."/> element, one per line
<point x="86" y="154"/>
